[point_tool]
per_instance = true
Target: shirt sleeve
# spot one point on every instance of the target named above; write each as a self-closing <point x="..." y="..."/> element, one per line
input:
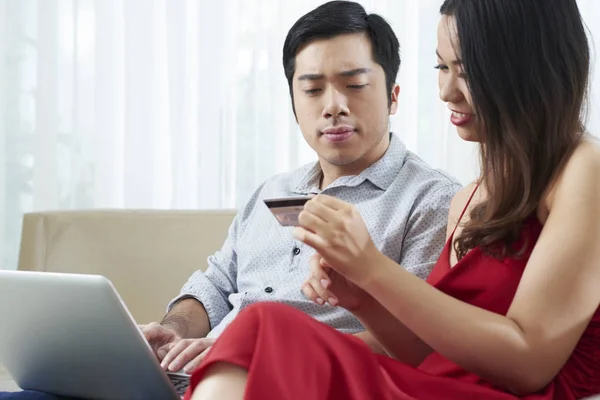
<point x="213" y="286"/>
<point x="425" y="236"/>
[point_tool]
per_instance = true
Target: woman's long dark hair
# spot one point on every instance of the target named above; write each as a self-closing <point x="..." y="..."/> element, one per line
<point x="526" y="64"/>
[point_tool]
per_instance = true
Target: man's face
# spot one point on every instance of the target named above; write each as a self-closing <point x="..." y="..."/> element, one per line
<point x="341" y="101"/>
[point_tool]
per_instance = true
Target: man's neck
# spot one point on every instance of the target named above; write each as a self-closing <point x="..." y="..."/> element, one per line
<point x="332" y="172"/>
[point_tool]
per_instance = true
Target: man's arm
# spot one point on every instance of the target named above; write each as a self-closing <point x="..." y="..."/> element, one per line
<point x="188" y="319"/>
<point x="202" y="303"/>
<point x="203" y="300"/>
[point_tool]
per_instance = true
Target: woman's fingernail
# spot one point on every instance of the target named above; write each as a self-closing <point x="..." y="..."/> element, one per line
<point x="325" y="283"/>
<point x="320" y="300"/>
<point x="332" y="301"/>
<point x="174" y="366"/>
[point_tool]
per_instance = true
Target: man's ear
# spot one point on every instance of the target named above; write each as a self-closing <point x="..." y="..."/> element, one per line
<point x="394" y="99"/>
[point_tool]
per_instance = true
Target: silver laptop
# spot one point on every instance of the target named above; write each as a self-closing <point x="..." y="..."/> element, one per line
<point x="71" y="335"/>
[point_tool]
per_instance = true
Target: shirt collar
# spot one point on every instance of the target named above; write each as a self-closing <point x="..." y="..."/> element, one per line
<point x="381" y="173"/>
<point x="310" y="181"/>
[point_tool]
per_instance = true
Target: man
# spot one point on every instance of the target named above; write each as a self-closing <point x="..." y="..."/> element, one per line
<point x="341" y="65"/>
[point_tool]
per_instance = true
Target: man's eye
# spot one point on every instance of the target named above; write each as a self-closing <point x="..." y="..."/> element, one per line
<point x="311" y="91"/>
<point x="357" y="86"/>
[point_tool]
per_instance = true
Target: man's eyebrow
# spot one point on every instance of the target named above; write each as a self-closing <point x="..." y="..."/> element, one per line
<point x="349" y="73"/>
<point x="311" y="77"/>
<point x="455" y="62"/>
<point x="355" y="72"/>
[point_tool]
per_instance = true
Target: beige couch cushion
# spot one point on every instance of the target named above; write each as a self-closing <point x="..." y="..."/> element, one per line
<point x="148" y="255"/>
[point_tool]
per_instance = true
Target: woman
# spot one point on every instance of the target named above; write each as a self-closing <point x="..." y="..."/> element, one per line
<point x="512" y="307"/>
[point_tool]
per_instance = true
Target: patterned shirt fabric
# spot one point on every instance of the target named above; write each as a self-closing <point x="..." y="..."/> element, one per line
<point x="402" y="200"/>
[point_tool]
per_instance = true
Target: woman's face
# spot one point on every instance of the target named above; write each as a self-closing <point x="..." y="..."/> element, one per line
<point x="451" y="79"/>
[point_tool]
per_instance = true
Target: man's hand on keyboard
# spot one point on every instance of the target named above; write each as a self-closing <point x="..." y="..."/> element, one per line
<point x="186" y="354"/>
<point x="159" y="337"/>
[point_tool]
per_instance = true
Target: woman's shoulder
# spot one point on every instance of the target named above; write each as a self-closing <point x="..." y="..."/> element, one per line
<point x="462" y="197"/>
<point x="587" y="152"/>
<point x="580" y="175"/>
<point x="458" y="205"/>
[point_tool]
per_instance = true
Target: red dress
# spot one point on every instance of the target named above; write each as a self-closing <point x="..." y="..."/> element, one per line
<point x="289" y="355"/>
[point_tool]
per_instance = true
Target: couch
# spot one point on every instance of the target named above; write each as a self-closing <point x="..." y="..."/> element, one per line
<point x="148" y="255"/>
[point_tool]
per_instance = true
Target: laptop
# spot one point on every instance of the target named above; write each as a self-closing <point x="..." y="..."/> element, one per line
<point x="71" y="335"/>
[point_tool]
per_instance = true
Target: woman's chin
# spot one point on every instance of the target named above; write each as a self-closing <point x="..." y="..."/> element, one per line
<point x="467" y="134"/>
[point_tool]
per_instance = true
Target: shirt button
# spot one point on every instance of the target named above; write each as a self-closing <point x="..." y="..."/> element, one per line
<point x="296" y="251"/>
<point x="269" y="289"/>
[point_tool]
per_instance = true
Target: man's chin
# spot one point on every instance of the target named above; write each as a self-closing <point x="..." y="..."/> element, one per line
<point x="340" y="160"/>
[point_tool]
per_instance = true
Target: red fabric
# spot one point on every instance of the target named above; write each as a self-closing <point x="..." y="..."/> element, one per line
<point x="292" y="356"/>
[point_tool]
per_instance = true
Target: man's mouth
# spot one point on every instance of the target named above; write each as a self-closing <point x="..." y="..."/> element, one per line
<point x="338" y="134"/>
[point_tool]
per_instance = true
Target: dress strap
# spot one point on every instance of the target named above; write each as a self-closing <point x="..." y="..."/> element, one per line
<point x="465" y="209"/>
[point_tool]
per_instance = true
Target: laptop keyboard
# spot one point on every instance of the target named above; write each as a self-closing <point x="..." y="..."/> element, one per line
<point x="180" y="383"/>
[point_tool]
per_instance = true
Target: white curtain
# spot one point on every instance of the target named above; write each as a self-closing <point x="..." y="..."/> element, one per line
<point x="179" y="103"/>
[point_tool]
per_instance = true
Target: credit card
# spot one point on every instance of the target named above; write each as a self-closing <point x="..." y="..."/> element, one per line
<point x="287" y="209"/>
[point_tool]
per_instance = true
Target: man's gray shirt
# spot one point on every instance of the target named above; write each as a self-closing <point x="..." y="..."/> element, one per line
<point x="403" y="201"/>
